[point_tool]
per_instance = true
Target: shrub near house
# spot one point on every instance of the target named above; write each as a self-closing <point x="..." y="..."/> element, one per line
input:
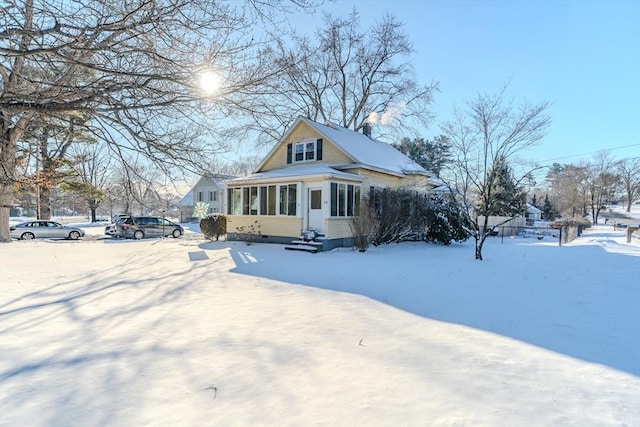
<point x="214" y="226"/>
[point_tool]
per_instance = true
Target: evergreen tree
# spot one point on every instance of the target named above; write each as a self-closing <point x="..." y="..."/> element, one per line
<point x="445" y="220"/>
<point x="534" y="201"/>
<point x="548" y="211"/>
<point x="507" y="195"/>
<point x="432" y="155"/>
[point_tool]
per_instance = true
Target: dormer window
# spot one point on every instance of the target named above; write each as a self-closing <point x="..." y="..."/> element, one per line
<point x="304" y="151"/>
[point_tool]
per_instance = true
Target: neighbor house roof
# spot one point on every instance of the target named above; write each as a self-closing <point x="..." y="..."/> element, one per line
<point x="187" y="200"/>
<point x="532" y="209"/>
<point x="362" y="149"/>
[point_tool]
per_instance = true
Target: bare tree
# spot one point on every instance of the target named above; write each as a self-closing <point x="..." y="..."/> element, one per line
<point x="91" y="164"/>
<point x="569" y="189"/>
<point x="601" y="183"/>
<point x="345" y="74"/>
<point x="492" y="130"/>
<point x="628" y="171"/>
<point x="131" y="68"/>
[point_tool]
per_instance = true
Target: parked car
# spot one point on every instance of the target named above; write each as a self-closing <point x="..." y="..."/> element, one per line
<point x="114" y="230"/>
<point x="138" y="227"/>
<point x="44" y="229"/>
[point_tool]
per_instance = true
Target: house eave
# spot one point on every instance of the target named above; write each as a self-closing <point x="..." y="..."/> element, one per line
<point x="290" y="178"/>
<point x="371" y="168"/>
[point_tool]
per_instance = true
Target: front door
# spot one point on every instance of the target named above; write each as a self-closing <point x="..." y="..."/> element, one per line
<point x="316" y="219"/>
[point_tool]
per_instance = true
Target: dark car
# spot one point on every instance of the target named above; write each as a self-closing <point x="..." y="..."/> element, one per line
<point x="139" y="227"/>
<point x="44" y="229"/>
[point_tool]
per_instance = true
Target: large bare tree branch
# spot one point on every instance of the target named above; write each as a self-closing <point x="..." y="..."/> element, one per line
<point x="131" y="68"/>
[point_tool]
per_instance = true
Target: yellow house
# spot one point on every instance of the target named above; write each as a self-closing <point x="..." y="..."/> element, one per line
<point x="313" y="180"/>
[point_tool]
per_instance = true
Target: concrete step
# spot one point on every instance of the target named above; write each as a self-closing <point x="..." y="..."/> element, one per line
<point x="306" y="242"/>
<point x="303" y="248"/>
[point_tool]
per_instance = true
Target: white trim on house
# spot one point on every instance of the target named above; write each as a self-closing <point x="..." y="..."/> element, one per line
<point x="297" y="172"/>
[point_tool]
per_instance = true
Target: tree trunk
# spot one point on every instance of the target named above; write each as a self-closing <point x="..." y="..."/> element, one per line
<point x="479" y="242"/>
<point x="5" y="199"/>
<point x="9" y="135"/>
<point x="44" y="202"/>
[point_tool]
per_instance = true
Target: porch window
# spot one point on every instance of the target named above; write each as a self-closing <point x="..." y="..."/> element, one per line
<point x="234" y="201"/>
<point x="263" y="200"/>
<point x="245" y="201"/>
<point x="254" y="201"/>
<point x="271" y="203"/>
<point x="345" y="200"/>
<point x="268" y="200"/>
<point x="288" y="199"/>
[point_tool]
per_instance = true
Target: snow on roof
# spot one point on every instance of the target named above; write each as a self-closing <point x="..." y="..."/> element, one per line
<point x="296" y="172"/>
<point x="532" y="208"/>
<point x="365" y="150"/>
<point x="187" y="200"/>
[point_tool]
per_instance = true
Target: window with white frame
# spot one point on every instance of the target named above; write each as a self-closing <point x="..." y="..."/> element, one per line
<point x="199" y="196"/>
<point x="304" y="151"/>
<point x="263" y="200"/>
<point x="213" y="196"/>
<point x="345" y="200"/>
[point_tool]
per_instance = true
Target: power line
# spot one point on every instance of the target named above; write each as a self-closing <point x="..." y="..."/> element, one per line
<point x="588" y="154"/>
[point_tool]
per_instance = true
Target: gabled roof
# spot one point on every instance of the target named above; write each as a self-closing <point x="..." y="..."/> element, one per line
<point x="363" y="150"/>
<point x="213" y="179"/>
<point x="187" y="200"/>
<point x="532" y="209"/>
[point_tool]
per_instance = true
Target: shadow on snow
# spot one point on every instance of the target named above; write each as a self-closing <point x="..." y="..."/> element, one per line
<point x="551" y="297"/>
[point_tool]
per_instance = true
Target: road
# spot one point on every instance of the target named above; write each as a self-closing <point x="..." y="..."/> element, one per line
<point x="619" y="218"/>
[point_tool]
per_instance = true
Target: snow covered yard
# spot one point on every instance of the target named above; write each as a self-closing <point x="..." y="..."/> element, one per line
<point x="190" y="333"/>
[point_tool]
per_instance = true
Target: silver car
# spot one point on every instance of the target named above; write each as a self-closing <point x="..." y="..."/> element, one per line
<point x="44" y="229"/>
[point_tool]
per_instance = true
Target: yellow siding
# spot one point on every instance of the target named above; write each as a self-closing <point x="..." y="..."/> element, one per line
<point x="337" y="228"/>
<point x="415" y="182"/>
<point x="377" y="179"/>
<point x="330" y="153"/>
<point x="278" y="160"/>
<point x="286" y="226"/>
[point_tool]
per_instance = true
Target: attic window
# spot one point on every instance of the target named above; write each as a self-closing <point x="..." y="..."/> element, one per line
<point x="304" y="151"/>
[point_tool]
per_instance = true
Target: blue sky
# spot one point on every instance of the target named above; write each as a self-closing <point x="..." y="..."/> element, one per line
<point x="582" y="56"/>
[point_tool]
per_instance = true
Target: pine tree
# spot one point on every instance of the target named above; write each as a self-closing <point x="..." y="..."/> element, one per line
<point x="432" y="155"/>
<point x="548" y="211"/>
<point x="507" y="196"/>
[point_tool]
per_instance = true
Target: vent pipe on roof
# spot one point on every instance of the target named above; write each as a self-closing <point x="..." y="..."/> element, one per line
<point x="366" y="129"/>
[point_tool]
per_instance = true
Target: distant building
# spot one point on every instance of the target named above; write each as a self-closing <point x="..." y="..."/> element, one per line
<point x="209" y="189"/>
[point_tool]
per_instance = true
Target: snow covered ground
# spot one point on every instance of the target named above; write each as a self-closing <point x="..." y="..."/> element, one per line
<point x="192" y="333"/>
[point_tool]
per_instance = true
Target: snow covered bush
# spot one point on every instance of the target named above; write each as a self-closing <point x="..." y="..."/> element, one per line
<point x="445" y="220"/>
<point x="396" y="215"/>
<point x="362" y="227"/>
<point x="214" y="226"/>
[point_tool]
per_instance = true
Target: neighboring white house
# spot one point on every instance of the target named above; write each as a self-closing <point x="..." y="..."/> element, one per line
<point x="210" y="190"/>
<point x="533" y="213"/>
